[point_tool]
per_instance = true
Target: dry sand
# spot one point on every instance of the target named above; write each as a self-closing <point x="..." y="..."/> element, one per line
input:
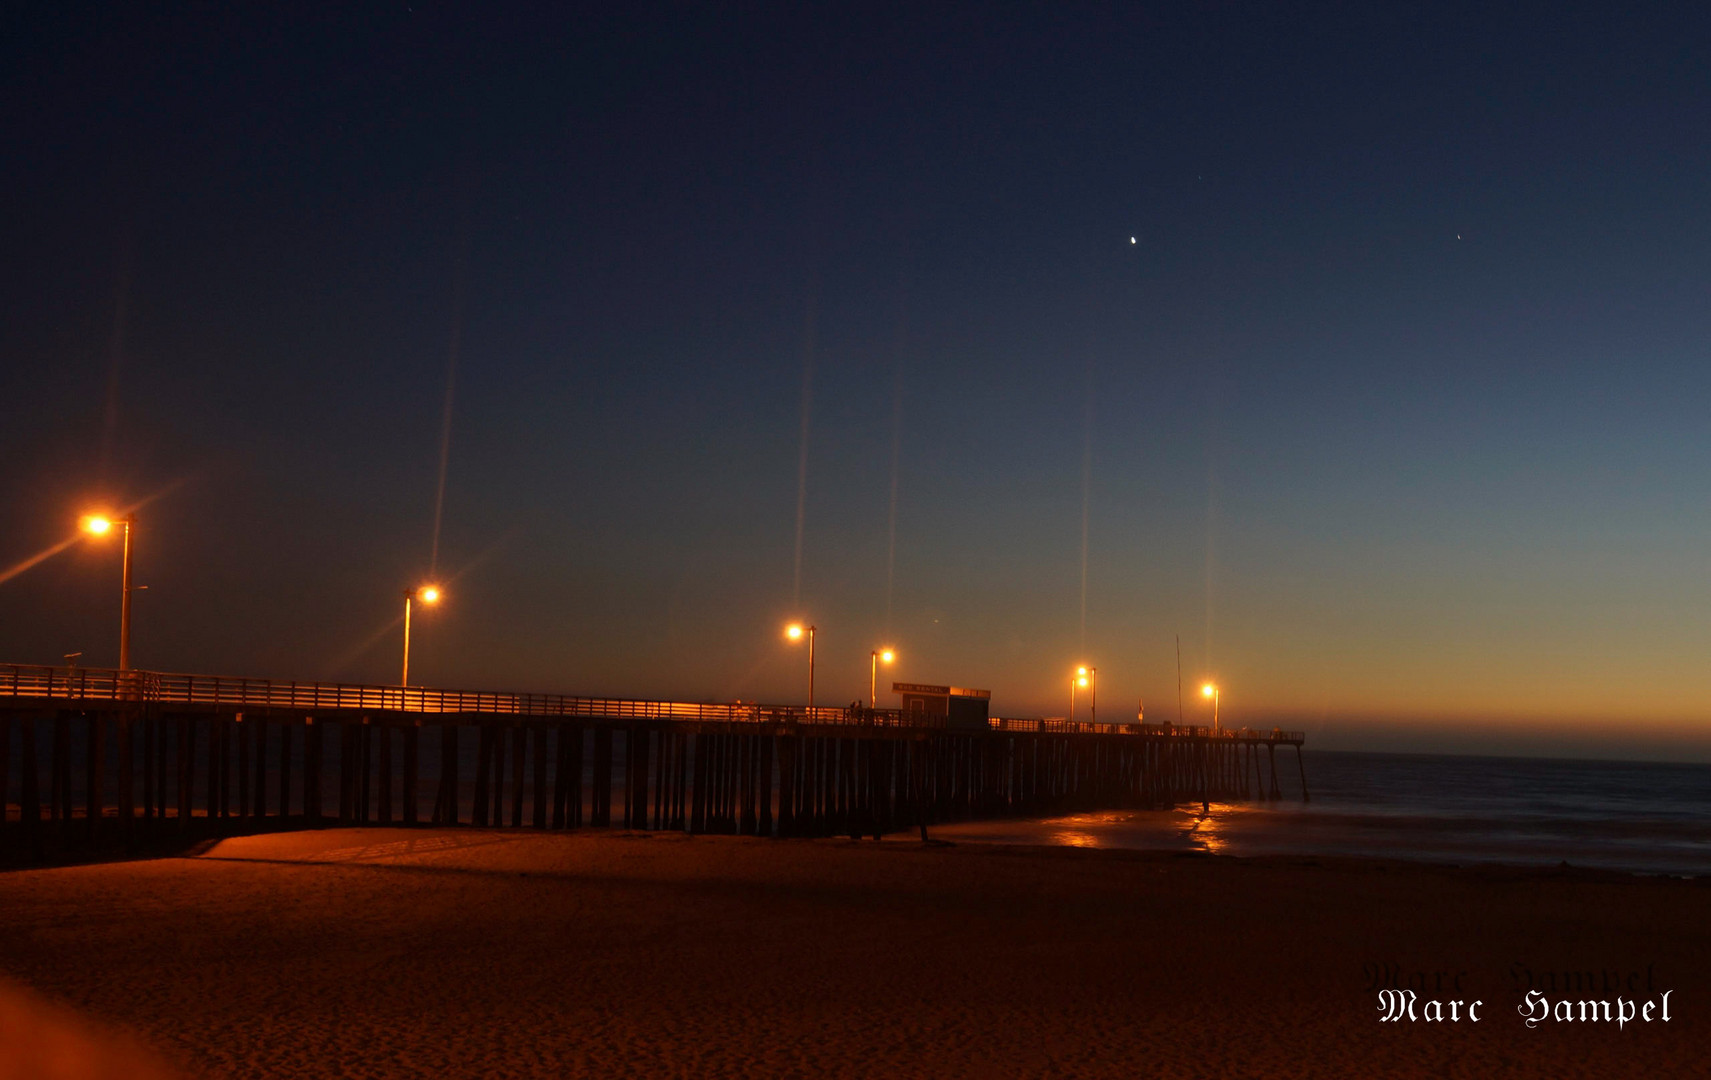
<point x="43" y="1041"/>
<point x="373" y="953"/>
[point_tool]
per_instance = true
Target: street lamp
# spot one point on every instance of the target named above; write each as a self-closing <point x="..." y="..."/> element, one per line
<point x="1211" y="690"/>
<point x="1085" y="677"/>
<point x="1080" y="678"/>
<point x="100" y="525"/>
<point x="880" y="656"/>
<point x="794" y="632"/>
<point x="427" y="594"/>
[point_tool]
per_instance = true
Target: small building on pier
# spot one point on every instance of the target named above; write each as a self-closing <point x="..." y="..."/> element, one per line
<point x="960" y="706"/>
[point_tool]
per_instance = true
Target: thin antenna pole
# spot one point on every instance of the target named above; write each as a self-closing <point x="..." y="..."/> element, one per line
<point x="1178" y="680"/>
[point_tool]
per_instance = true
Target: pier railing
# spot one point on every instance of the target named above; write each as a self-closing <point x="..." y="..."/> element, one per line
<point x="1058" y="726"/>
<point x="162" y="688"/>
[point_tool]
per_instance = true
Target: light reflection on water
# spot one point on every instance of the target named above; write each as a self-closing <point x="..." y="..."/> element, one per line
<point x="1084" y="830"/>
<point x="1075" y="839"/>
<point x="1651" y="818"/>
<point x="1210" y="832"/>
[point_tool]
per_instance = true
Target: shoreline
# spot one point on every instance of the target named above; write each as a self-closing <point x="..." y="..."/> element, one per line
<point x="945" y="836"/>
<point x="1308" y="860"/>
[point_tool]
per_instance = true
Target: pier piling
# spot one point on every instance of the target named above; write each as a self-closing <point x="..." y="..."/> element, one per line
<point x="744" y="769"/>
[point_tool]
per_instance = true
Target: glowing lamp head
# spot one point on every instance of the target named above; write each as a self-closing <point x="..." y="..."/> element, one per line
<point x="1082" y="681"/>
<point x="428" y="594"/>
<point x="97" y="524"/>
<point x="793" y="631"/>
<point x="1208" y="690"/>
<point x="1081" y="671"/>
<point x="886" y="656"/>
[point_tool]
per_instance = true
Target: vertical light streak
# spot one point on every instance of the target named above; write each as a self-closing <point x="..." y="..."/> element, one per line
<point x="446" y="419"/>
<point x="891" y="524"/>
<point x="1214" y="441"/>
<point x="445" y="437"/>
<point x="900" y="350"/>
<point x="1211" y="552"/>
<point x="808" y="345"/>
<point x="1086" y="496"/>
<point x="115" y="363"/>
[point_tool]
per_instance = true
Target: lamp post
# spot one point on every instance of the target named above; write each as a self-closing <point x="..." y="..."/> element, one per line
<point x="794" y="632"/>
<point x="427" y="594"/>
<point x="880" y="656"/>
<point x="1211" y="690"/>
<point x="1090" y="678"/>
<point x="99" y="525"/>
<point x="1075" y="680"/>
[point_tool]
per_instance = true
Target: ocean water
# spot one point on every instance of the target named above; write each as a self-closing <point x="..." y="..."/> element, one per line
<point x="1635" y="816"/>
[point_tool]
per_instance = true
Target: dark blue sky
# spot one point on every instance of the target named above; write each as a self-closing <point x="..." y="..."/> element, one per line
<point x="1395" y="408"/>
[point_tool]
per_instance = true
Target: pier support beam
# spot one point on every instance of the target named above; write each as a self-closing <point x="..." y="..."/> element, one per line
<point x="29" y="796"/>
<point x="312" y="758"/>
<point x="92" y="794"/>
<point x="540" y="815"/>
<point x="383" y="776"/>
<point x="412" y="771"/>
<point x="285" y="730"/>
<point x="244" y="805"/>
<point x="5" y="779"/>
<point x="259" y="803"/>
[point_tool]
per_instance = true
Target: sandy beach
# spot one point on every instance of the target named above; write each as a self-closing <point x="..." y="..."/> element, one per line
<point x="384" y="953"/>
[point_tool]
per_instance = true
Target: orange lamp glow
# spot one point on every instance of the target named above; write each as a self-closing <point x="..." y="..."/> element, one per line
<point x="1207" y="690"/>
<point x="793" y="631"/>
<point x="97" y="524"/>
<point x="886" y="656"/>
<point x="429" y="594"/>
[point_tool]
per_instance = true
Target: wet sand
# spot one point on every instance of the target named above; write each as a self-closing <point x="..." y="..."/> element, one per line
<point x="375" y="953"/>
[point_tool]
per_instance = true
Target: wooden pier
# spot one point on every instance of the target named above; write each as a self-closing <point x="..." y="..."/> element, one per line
<point x="165" y="758"/>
